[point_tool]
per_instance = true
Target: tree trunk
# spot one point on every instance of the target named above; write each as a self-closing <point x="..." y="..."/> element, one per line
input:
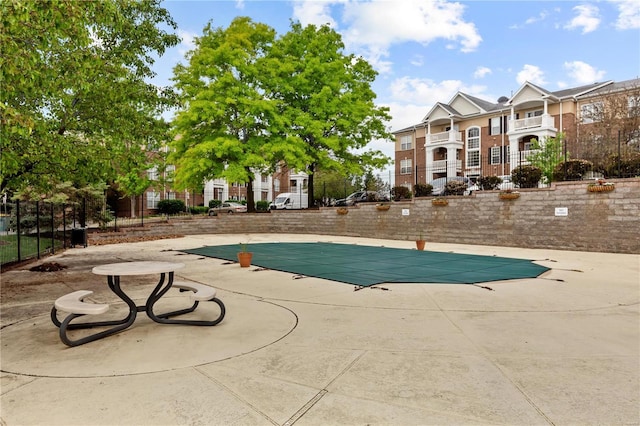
<point x="311" y="198"/>
<point x="251" y="205"/>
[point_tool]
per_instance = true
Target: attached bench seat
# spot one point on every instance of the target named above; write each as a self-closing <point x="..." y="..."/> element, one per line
<point x="76" y="307"/>
<point x="200" y="292"/>
<point x="74" y="304"/>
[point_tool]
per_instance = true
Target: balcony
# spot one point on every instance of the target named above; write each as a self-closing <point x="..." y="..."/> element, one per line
<point x="443" y="137"/>
<point x="529" y="124"/>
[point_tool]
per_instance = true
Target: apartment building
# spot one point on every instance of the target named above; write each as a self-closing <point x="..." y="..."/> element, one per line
<point x="472" y="137"/>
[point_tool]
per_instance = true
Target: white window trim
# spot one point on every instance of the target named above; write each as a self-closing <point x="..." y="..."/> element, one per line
<point x="406" y="142"/>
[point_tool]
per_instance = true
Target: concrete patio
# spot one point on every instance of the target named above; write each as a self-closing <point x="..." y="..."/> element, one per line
<point x="560" y="349"/>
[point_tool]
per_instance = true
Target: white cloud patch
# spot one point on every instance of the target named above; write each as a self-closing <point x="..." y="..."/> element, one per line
<point x="426" y="92"/>
<point x="583" y="73"/>
<point x="481" y="72"/>
<point x="372" y="27"/>
<point x="629" y="14"/>
<point x="541" y="17"/>
<point x="417" y="60"/>
<point x="532" y="74"/>
<point x="587" y="18"/>
<point x="187" y="41"/>
<point x="313" y="13"/>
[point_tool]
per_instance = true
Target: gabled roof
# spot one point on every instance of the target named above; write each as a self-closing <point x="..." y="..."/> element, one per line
<point x="485" y="106"/>
<point x="611" y="87"/>
<point x="580" y="90"/>
<point x="448" y="108"/>
<point x="541" y="90"/>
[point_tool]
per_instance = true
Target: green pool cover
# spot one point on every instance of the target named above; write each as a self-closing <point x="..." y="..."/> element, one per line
<point x="367" y="265"/>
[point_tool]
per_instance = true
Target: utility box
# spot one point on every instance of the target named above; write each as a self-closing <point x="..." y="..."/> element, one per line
<point x="79" y="237"/>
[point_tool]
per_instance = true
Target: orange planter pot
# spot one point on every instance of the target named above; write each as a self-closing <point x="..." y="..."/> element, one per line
<point x="420" y="244"/>
<point x="245" y="259"/>
<point x="600" y="188"/>
<point x="509" y="196"/>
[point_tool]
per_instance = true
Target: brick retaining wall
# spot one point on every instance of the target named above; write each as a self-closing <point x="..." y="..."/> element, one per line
<point x="606" y="222"/>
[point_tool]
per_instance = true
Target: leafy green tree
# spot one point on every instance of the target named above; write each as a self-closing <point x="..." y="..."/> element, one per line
<point x="332" y="184"/>
<point x="223" y="126"/>
<point x="546" y="156"/>
<point x="75" y="105"/>
<point x="327" y="113"/>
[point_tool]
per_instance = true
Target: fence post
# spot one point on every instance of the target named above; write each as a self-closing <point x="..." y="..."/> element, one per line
<point x="38" y="228"/>
<point x="18" y="230"/>
<point x="53" y="239"/>
<point x="64" y="226"/>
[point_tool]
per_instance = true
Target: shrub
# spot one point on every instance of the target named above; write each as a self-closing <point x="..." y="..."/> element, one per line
<point x="455" y="187"/>
<point x="422" y="189"/>
<point x="629" y="166"/>
<point x="400" y="192"/>
<point x="171" y="206"/>
<point x="262" y="206"/>
<point x="214" y="203"/>
<point x="572" y="170"/>
<point x="526" y="176"/>
<point x="199" y="210"/>
<point x="489" y="183"/>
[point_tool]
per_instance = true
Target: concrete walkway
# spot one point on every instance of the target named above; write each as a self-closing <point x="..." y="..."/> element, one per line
<point x="561" y="349"/>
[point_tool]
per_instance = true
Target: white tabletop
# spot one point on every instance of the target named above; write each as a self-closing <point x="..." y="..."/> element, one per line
<point x="137" y="268"/>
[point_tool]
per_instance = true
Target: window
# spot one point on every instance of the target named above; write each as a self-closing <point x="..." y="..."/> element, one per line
<point x="171" y="196"/>
<point x="530" y="114"/>
<point x="634" y="106"/>
<point x="591" y="112"/>
<point x="152" y="174"/>
<point x="473" y="159"/>
<point x="405" y="167"/>
<point x="473" y="147"/>
<point x="276" y="185"/>
<point x="494" y="155"/>
<point x="494" y="126"/>
<point x="507" y="153"/>
<point x="406" y="142"/>
<point x="152" y="199"/>
<point x="170" y="171"/>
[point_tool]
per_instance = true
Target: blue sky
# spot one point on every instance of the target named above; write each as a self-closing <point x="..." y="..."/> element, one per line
<point x="426" y="51"/>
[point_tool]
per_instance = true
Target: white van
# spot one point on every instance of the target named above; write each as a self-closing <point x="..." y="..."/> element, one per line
<point x="290" y="201"/>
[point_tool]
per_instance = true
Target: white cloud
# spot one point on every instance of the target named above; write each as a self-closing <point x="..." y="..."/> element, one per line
<point x="239" y="4"/>
<point x="187" y="41"/>
<point x="313" y="13"/>
<point x="587" y="18"/>
<point x="541" y="17"/>
<point x="532" y="74"/>
<point x="481" y="72"/>
<point x="583" y="73"/>
<point x="629" y="17"/>
<point x="425" y="92"/>
<point x="417" y="60"/>
<point x="371" y="28"/>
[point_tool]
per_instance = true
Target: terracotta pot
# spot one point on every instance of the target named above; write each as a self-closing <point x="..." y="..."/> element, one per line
<point x="439" y="202"/>
<point x="420" y="244"/>
<point x="383" y="208"/>
<point x="244" y="257"/>
<point x="342" y="210"/>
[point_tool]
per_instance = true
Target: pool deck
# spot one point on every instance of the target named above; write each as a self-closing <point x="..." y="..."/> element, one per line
<point x="560" y="349"/>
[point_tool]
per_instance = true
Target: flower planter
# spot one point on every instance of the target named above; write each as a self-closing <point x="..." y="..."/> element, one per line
<point x="383" y="207"/>
<point x="420" y="244"/>
<point x="342" y="210"/>
<point x="600" y="188"/>
<point x="440" y="202"/>
<point x="244" y="257"/>
<point x="509" y="195"/>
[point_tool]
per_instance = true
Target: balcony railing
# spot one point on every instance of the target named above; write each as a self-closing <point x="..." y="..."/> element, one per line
<point x="450" y="136"/>
<point x="440" y="166"/>
<point x="541" y="121"/>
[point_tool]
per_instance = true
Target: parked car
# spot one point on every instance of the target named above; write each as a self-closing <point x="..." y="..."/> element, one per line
<point x="360" y="197"/>
<point x="507" y="183"/>
<point x="439" y="184"/>
<point x="229" y="208"/>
